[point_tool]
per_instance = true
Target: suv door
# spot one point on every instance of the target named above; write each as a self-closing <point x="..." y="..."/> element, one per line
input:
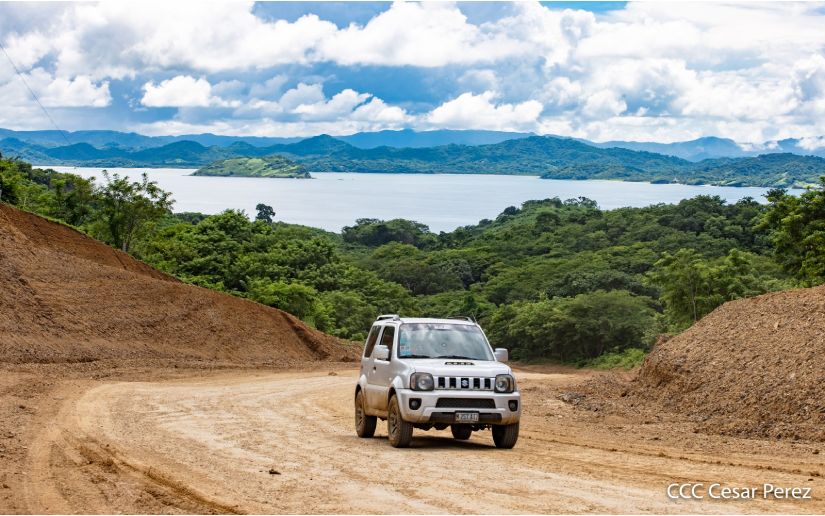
<point x="372" y="338"/>
<point x="378" y="377"/>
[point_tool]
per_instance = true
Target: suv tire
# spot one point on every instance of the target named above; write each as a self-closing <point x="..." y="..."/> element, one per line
<point x="505" y="436"/>
<point x="399" y="431"/>
<point x="364" y="424"/>
<point x="461" y="432"/>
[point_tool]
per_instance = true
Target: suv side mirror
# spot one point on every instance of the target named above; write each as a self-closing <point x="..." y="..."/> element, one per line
<point x="381" y="352"/>
<point x="502" y="355"/>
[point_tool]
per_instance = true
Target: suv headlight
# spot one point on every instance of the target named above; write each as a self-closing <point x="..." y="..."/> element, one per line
<point x="422" y="382"/>
<point x="505" y="383"/>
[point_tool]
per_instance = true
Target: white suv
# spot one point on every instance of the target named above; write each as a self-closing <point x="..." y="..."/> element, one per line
<point x="435" y="373"/>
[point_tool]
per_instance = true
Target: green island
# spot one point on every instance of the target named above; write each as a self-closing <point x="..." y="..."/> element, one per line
<point x="551" y="279"/>
<point x="266" y="166"/>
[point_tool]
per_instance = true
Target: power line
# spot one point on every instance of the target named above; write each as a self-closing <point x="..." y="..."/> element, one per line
<point x="25" y="83"/>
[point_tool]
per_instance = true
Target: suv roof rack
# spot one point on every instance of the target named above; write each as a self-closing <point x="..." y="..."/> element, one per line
<point x="388" y="317"/>
<point x="462" y="317"/>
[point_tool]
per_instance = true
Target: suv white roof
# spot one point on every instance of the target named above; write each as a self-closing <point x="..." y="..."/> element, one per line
<point x="412" y="320"/>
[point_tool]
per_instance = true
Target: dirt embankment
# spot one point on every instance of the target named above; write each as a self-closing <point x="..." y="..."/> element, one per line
<point x="753" y="367"/>
<point x="75" y="313"/>
<point x="65" y="297"/>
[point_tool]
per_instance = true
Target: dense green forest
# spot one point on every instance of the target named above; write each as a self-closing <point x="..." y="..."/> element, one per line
<point x="545" y="156"/>
<point x="551" y="279"/>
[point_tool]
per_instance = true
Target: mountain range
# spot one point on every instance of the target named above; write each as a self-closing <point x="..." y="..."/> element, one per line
<point x="364" y="140"/>
<point x="710" y="147"/>
<point x="546" y="156"/>
<point x="694" y="150"/>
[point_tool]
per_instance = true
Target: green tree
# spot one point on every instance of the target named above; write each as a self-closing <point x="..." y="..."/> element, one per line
<point x="692" y="286"/>
<point x="74" y="199"/>
<point x="684" y="279"/>
<point x="265" y="212"/>
<point x="567" y="329"/>
<point x="295" y="298"/>
<point x="348" y="314"/>
<point x="374" y="233"/>
<point x="796" y="225"/>
<point x="127" y="209"/>
<point x="407" y="265"/>
<point x="18" y="188"/>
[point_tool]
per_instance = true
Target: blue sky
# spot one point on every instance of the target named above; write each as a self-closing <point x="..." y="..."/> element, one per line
<point x="753" y="72"/>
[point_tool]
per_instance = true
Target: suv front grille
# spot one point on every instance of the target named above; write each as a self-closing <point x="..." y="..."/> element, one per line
<point x="464" y="382"/>
<point x="476" y="403"/>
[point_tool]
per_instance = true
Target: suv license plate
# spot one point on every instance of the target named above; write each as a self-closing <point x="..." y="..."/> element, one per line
<point x="466" y="417"/>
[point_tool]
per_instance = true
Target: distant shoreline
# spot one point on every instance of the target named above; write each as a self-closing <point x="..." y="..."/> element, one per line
<point x="479" y="173"/>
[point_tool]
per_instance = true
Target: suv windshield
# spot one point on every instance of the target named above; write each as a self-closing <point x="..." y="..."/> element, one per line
<point x="437" y="340"/>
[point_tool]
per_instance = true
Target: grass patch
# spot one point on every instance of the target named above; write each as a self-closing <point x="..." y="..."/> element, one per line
<point x="627" y="359"/>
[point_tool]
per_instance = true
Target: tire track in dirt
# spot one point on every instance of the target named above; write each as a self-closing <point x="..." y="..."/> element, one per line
<point x="210" y="443"/>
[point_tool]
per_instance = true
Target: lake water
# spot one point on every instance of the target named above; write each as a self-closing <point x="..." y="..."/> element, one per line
<point x="443" y="201"/>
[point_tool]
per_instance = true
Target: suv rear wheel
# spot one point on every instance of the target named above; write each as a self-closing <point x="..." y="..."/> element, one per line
<point x="461" y="432"/>
<point x="505" y="436"/>
<point x="364" y="424"/>
<point x="398" y="430"/>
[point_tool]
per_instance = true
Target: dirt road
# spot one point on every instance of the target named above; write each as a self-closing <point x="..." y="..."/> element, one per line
<point x="283" y="442"/>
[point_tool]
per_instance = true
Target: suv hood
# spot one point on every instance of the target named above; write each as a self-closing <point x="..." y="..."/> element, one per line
<point x="459" y="367"/>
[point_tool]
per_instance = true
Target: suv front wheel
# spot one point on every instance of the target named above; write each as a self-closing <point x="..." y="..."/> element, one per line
<point x="398" y="430"/>
<point x="364" y="424"/>
<point x="505" y="436"/>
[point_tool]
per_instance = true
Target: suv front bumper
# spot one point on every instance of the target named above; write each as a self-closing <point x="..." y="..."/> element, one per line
<point x="492" y="407"/>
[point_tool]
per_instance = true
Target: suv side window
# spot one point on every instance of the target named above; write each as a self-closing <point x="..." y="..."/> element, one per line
<point x="387" y="338"/>
<point x="371" y="339"/>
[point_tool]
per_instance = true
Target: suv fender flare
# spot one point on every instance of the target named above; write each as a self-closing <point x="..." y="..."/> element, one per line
<point x="361" y="385"/>
<point x="396" y="385"/>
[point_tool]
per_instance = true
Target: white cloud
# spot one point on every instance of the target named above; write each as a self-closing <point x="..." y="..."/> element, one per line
<point x="339" y="105"/>
<point x="377" y="112"/>
<point x="301" y="111"/>
<point x="27" y="49"/>
<point x="20" y="111"/>
<point x="270" y="88"/>
<point x="417" y="34"/>
<point x="749" y="71"/>
<point x="54" y="92"/>
<point x="77" y="92"/>
<point x="182" y="91"/>
<point x="300" y="95"/>
<point x="263" y="126"/>
<point x="211" y="37"/>
<point x="479" y="112"/>
<point x="481" y="80"/>
<point x="603" y="104"/>
<point x="808" y="85"/>
<point x="812" y="143"/>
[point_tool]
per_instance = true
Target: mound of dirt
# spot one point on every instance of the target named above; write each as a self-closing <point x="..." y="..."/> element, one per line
<point x="753" y="367"/>
<point x="65" y="297"/>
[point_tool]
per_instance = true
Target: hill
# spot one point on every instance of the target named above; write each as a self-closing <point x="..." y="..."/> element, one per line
<point x="267" y="166"/>
<point x="529" y="156"/>
<point x="65" y="297"/>
<point x="546" y="156"/>
<point x="709" y="147"/>
<point x="131" y="141"/>
<point x="752" y="367"/>
<point x="767" y="170"/>
<point x="417" y="139"/>
<point x="365" y="140"/>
